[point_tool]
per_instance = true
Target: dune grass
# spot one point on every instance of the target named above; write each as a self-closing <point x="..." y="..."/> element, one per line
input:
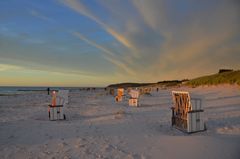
<point x="232" y="77"/>
<point x="228" y="77"/>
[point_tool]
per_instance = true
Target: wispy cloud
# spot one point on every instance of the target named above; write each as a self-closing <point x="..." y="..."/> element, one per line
<point x="34" y="40"/>
<point x="120" y="37"/>
<point x="7" y="67"/>
<point x="108" y="55"/>
<point x="164" y="36"/>
<point x="40" y="77"/>
<point x="77" y="34"/>
<point x="36" y="67"/>
<point x="192" y="36"/>
<point x="40" y="15"/>
<point x="80" y="8"/>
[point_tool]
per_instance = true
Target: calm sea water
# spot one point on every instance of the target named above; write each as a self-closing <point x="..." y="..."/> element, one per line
<point x="19" y="90"/>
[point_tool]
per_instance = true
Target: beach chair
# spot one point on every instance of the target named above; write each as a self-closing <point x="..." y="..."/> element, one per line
<point x="187" y="113"/>
<point x="64" y="95"/>
<point x="55" y="109"/>
<point x="120" y="94"/>
<point x="111" y="91"/>
<point x="134" y="96"/>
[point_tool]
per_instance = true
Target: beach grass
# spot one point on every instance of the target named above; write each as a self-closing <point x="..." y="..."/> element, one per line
<point x="231" y="77"/>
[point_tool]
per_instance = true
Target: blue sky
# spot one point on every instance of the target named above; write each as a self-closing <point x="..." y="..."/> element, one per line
<point x="99" y="42"/>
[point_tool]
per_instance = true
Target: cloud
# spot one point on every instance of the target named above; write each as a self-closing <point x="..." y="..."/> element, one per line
<point x="30" y="66"/>
<point x="23" y="52"/>
<point x="77" y="34"/>
<point x="164" y="37"/>
<point x="34" y="77"/>
<point x="119" y="37"/>
<point x="80" y="8"/>
<point x="7" y="67"/>
<point x="108" y="55"/>
<point x="193" y="34"/>
<point x="40" y="15"/>
<point x="154" y="13"/>
<point x="34" y="40"/>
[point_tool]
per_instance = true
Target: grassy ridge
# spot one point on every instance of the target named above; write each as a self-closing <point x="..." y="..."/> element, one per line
<point x="161" y="83"/>
<point x="125" y="85"/>
<point x="229" y="77"/>
<point x="232" y="77"/>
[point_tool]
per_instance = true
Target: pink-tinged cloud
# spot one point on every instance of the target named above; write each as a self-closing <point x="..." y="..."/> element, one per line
<point x="108" y="55"/>
<point x="80" y="8"/>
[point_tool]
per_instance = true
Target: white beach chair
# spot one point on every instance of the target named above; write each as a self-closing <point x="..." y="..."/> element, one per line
<point x="55" y="109"/>
<point x="64" y="95"/>
<point x="185" y="115"/>
<point x="133" y="100"/>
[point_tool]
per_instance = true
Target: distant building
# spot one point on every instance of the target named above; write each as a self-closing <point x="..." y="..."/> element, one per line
<point x="224" y="70"/>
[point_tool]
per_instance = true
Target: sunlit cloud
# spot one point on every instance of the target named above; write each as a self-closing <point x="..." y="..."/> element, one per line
<point x="29" y="77"/>
<point x="108" y="55"/>
<point x="120" y="38"/>
<point x="191" y="37"/>
<point x="7" y="67"/>
<point x="80" y="8"/>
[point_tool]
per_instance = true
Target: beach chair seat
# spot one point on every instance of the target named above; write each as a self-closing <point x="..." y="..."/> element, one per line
<point x="133" y="102"/>
<point x="187" y="113"/>
<point x="118" y="98"/>
<point x="56" y="112"/>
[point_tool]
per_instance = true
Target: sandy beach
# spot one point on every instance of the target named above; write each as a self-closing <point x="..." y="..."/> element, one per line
<point x="98" y="127"/>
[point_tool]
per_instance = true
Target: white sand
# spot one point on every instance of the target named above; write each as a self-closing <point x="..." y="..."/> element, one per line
<point x="97" y="127"/>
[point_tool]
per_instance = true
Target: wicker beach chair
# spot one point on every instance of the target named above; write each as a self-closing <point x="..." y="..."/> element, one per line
<point x="187" y="113"/>
<point x="134" y="97"/>
<point x="120" y="94"/>
<point x="55" y="109"/>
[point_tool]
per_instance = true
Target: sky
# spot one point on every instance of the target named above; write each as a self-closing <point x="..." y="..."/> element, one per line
<point x="100" y="42"/>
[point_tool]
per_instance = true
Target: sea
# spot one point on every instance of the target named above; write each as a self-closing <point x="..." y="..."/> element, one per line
<point x="8" y="90"/>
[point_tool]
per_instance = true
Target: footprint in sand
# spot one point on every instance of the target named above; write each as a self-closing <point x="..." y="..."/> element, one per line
<point x="230" y="130"/>
<point x="66" y="157"/>
<point x="62" y="144"/>
<point x="135" y="156"/>
<point x="80" y="143"/>
<point x="107" y="148"/>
